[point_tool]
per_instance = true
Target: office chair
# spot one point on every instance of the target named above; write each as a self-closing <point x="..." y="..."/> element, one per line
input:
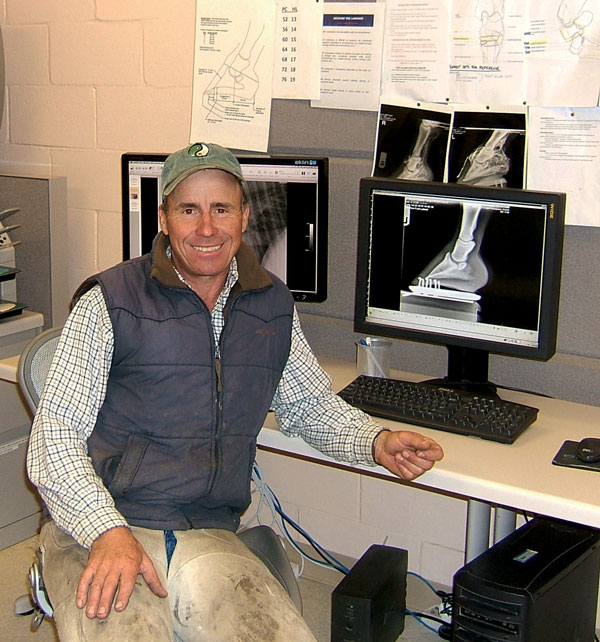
<point x="32" y="370"/>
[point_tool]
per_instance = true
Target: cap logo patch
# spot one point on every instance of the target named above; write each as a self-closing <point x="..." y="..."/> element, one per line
<point x="198" y="150"/>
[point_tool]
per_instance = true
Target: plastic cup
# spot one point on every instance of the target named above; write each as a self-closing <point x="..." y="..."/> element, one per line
<point x="373" y="357"/>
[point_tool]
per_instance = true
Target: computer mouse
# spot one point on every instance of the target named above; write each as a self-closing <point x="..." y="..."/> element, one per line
<point x="588" y="450"/>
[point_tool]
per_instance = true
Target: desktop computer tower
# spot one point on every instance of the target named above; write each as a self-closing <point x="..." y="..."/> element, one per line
<point x="540" y="583"/>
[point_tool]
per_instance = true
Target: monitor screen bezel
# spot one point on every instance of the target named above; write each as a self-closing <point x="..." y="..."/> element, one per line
<point x="319" y="294"/>
<point x="551" y="271"/>
<point x="126" y="158"/>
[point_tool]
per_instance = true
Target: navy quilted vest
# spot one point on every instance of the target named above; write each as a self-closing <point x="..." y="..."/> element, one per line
<point x="175" y="438"/>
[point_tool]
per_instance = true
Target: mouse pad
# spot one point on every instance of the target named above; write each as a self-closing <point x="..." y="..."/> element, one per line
<point x="567" y="456"/>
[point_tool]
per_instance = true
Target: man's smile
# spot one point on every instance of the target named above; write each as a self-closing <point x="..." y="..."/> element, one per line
<point x="212" y="248"/>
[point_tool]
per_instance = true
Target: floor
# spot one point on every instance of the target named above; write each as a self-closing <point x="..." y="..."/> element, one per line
<point x="316" y="595"/>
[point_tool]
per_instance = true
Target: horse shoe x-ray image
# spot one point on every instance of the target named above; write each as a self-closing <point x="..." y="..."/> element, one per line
<point x="459" y="272"/>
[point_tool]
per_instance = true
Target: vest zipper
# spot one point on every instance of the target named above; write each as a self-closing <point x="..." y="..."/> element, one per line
<point x="217" y="444"/>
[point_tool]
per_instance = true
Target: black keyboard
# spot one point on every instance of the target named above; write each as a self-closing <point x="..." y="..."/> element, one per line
<point x="434" y="406"/>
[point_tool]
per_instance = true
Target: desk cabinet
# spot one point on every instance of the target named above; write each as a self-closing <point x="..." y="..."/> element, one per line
<point x="19" y="504"/>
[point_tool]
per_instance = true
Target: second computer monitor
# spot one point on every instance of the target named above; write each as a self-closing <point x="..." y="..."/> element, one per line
<point x="475" y="269"/>
<point x="288" y="215"/>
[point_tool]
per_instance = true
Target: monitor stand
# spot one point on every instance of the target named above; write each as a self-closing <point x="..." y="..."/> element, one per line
<point x="467" y="370"/>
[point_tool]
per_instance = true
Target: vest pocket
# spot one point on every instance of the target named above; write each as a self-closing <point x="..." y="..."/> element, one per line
<point x="125" y="471"/>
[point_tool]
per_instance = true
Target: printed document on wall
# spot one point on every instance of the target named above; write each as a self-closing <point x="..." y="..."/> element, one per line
<point x="564" y="146"/>
<point x="298" y="43"/>
<point x="233" y="73"/>
<point x="487" y="60"/>
<point x="563" y="53"/>
<point x="352" y="55"/>
<point x="415" y="49"/>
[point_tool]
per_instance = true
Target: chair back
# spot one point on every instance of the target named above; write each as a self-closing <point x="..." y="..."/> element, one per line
<point x="34" y="364"/>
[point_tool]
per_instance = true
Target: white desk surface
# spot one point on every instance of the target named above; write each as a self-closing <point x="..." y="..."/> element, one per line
<point x="8" y="368"/>
<point x="27" y="320"/>
<point x="519" y="476"/>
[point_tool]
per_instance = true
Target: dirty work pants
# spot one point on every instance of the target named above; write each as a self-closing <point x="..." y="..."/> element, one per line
<point x="218" y="592"/>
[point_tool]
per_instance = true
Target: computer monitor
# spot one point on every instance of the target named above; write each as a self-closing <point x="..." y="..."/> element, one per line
<point x="476" y="269"/>
<point x="289" y="199"/>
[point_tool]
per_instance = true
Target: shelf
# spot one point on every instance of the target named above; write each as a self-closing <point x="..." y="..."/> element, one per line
<point x="7" y="273"/>
<point x="10" y="308"/>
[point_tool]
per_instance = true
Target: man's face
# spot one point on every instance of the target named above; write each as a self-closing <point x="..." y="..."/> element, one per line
<point x="204" y="222"/>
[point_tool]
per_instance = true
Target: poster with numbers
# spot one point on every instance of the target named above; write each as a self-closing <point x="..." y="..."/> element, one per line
<point x="298" y="46"/>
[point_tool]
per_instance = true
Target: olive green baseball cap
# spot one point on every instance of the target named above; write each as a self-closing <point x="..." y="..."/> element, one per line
<point x="185" y="162"/>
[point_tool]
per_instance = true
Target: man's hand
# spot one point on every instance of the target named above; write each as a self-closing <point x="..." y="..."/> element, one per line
<point x="116" y="558"/>
<point x="406" y="454"/>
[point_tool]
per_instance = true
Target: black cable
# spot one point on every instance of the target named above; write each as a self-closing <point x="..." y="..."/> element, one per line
<point x="429" y="617"/>
<point x="418" y="619"/>
<point x="528" y="392"/>
<point x="447" y="603"/>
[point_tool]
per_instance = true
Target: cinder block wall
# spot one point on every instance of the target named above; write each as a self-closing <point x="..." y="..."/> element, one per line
<point x="87" y="80"/>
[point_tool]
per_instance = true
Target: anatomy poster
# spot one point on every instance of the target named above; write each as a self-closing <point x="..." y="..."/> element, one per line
<point x="563" y="53"/>
<point x="503" y="52"/>
<point x="233" y="73"/>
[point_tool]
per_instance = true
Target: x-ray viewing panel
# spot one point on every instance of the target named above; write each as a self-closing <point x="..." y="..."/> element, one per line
<point x="460" y="265"/>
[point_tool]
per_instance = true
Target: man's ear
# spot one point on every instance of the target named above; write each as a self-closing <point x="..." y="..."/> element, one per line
<point x="245" y="217"/>
<point x="162" y="219"/>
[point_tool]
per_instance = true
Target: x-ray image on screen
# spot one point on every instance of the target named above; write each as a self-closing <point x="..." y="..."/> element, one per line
<point x="266" y="233"/>
<point x="287" y="228"/>
<point x="447" y="269"/>
<point x="458" y="272"/>
<point x="475" y="269"/>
